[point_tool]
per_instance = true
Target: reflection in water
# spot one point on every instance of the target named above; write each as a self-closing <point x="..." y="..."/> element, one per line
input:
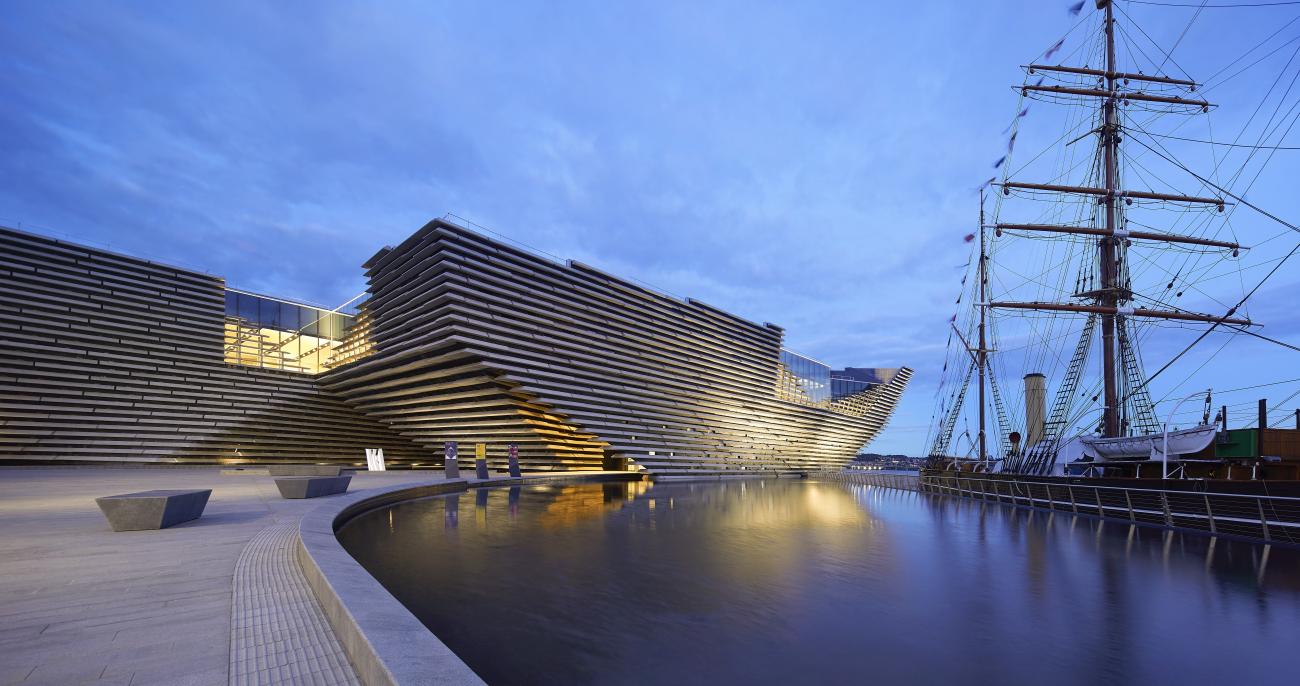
<point x="573" y="503"/>
<point x="806" y="582"/>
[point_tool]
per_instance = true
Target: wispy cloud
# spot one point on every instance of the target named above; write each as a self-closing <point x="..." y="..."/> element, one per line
<point x="806" y="165"/>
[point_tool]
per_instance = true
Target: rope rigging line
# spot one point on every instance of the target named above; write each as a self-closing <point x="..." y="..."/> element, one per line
<point x="1182" y="35"/>
<point x="1226" y="145"/>
<point x="1226" y="5"/>
<point x="1215" y="325"/>
<point x="1186" y="268"/>
<point x="1264" y="134"/>
<point x="1210" y="83"/>
<point x="1167" y="55"/>
<point x="1221" y="189"/>
<point x="1281" y="402"/>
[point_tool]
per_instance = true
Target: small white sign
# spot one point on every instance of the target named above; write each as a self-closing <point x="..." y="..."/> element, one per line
<point x="375" y="459"/>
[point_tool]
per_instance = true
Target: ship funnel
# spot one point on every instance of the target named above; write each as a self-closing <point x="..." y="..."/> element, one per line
<point x="1035" y="408"/>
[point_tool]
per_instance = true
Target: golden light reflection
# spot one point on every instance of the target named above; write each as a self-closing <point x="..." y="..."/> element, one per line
<point x="828" y="504"/>
<point x="581" y="502"/>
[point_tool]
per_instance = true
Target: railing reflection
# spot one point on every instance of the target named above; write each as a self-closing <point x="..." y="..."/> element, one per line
<point x="1270" y="519"/>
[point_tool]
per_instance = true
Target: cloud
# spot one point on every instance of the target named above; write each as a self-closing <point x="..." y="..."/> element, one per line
<point x="810" y="166"/>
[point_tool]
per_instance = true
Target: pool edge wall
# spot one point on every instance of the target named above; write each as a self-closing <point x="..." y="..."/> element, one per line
<point x="386" y="644"/>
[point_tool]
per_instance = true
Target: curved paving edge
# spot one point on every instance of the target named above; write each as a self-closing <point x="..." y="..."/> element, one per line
<point x="385" y="643"/>
<point x="278" y="633"/>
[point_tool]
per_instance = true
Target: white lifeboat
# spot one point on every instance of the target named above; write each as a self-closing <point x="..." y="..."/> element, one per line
<point x="1150" y="446"/>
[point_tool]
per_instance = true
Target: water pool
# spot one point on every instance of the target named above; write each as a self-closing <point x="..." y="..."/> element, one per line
<point x="805" y="582"/>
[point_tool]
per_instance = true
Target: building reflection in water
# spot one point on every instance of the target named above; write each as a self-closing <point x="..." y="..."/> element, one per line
<point x="754" y="581"/>
<point x="573" y="503"/>
<point x="451" y="513"/>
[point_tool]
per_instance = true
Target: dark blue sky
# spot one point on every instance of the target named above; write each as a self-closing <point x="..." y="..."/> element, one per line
<point x="809" y="164"/>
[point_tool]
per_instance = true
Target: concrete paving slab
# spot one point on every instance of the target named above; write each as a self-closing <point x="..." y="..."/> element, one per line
<point x="82" y="604"/>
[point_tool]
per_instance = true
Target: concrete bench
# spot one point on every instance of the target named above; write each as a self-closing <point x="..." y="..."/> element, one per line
<point x="312" y="486"/>
<point x="152" y="509"/>
<point x="308" y="469"/>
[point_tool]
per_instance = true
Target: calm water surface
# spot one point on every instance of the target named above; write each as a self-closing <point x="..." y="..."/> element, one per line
<point x="798" y="582"/>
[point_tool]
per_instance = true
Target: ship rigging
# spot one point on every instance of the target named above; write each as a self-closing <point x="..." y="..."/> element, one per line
<point x="1106" y="260"/>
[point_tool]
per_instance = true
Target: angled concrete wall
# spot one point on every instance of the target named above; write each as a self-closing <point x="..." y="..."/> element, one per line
<point x="108" y="357"/>
<point x="111" y="358"/>
<point x="475" y="341"/>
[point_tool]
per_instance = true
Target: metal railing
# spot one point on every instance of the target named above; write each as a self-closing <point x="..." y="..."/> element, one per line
<point x="1269" y="519"/>
<point x="902" y="482"/>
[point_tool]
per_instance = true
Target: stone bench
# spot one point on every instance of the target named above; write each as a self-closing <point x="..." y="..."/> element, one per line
<point x="152" y="509"/>
<point x="308" y="469"/>
<point x="312" y="486"/>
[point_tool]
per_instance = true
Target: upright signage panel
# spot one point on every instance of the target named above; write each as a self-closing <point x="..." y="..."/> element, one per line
<point x="514" y="460"/>
<point x="449" y="459"/>
<point x="480" y="460"/>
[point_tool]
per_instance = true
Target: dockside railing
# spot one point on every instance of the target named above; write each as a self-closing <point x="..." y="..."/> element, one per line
<point x="902" y="482"/>
<point x="1270" y="519"/>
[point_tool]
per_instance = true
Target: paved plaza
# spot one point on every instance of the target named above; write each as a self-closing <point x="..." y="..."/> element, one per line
<point x="82" y="604"/>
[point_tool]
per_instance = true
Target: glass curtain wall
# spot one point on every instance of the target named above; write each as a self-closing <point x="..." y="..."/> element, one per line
<point x="803" y="379"/>
<point x="277" y="334"/>
<point x="843" y="387"/>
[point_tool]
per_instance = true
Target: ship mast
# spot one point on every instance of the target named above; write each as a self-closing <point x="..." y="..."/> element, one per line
<point x="982" y="353"/>
<point x="1110" y="301"/>
<point x="1109" y="296"/>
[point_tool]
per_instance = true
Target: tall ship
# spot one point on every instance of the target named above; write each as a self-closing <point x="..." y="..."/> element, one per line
<point x="1107" y="244"/>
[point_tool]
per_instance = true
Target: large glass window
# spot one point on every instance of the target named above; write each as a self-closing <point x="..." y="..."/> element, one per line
<point x="277" y="334"/>
<point x="269" y="314"/>
<point x="248" y="308"/>
<point x="804" y="379"/>
<point x="311" y="320"/>
<point x="842" y="387"/>
<point x="332" y="325"/>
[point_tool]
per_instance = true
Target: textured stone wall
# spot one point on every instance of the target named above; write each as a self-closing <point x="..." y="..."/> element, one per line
<point x="111" y="358"/>
<point x="108" y="357"/>
<point x="476" y="341"/>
